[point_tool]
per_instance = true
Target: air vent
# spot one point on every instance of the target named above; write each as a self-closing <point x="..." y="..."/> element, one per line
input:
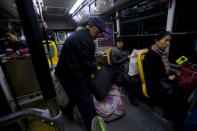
<point x="56" y="11"/>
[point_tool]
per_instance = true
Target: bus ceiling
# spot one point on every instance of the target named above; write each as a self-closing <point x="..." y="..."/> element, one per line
<point x="69" y="13"/>
<point x="103" y="8"/>
<point x="55" y="13"/>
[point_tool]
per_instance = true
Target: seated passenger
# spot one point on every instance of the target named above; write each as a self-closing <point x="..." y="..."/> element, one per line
<point x="15" y="46"/>
<point x="119" y="56"/>
<point x="156" y="67"/>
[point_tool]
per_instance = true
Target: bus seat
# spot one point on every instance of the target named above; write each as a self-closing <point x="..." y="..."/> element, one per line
<point x="109" y="50"/>
<point x="53" y="53"/>
<point x="141" y="72"/>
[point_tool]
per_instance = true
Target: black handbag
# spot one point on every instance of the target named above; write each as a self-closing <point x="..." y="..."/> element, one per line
<point x="167" y="85"/>
<point x="102" y="82"/>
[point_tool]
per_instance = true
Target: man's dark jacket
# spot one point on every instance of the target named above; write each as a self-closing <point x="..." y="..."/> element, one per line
<point x="77" y="57"/>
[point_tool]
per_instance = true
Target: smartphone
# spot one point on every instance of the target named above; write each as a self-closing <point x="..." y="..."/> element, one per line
<point x="181" y="60"/>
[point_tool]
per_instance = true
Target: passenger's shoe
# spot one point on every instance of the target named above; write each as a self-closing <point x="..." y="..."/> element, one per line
<point x="68" y="113"/>
<point x="133" y="101"/>
<point x="98" y="124"/>
<point x="166" y="115"/>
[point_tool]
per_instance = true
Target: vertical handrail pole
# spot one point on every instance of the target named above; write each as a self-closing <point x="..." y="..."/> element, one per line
<point x="34" y="41"/>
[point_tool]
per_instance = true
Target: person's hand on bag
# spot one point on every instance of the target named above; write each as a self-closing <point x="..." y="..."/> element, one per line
<point x="172" y="77"/>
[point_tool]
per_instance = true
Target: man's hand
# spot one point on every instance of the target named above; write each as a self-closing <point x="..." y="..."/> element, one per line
<point x="98" y="67"/>
<point x="92" y="76"/>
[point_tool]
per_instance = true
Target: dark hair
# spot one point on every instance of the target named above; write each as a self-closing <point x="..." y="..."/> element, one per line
<point x="162" y="34"/>
<point x="119" y="39"/>
<point x="10" y="31"/>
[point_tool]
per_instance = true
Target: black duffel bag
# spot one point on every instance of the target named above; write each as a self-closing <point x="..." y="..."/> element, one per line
<point x="102" y="81"/>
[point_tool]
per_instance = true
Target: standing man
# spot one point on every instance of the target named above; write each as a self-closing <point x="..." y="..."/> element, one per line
<point x="44" y="29"/>
<point x="75" y="66"/>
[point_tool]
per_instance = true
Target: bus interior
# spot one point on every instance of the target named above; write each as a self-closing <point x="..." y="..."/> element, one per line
<point x="27" y="93"/>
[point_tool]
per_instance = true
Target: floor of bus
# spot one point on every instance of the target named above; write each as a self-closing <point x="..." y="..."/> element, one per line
<point x="136" y="118"/>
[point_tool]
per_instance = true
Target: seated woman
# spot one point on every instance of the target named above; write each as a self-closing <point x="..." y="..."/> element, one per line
<point x="119" y="56"/>
<point x="156" y="67"/>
